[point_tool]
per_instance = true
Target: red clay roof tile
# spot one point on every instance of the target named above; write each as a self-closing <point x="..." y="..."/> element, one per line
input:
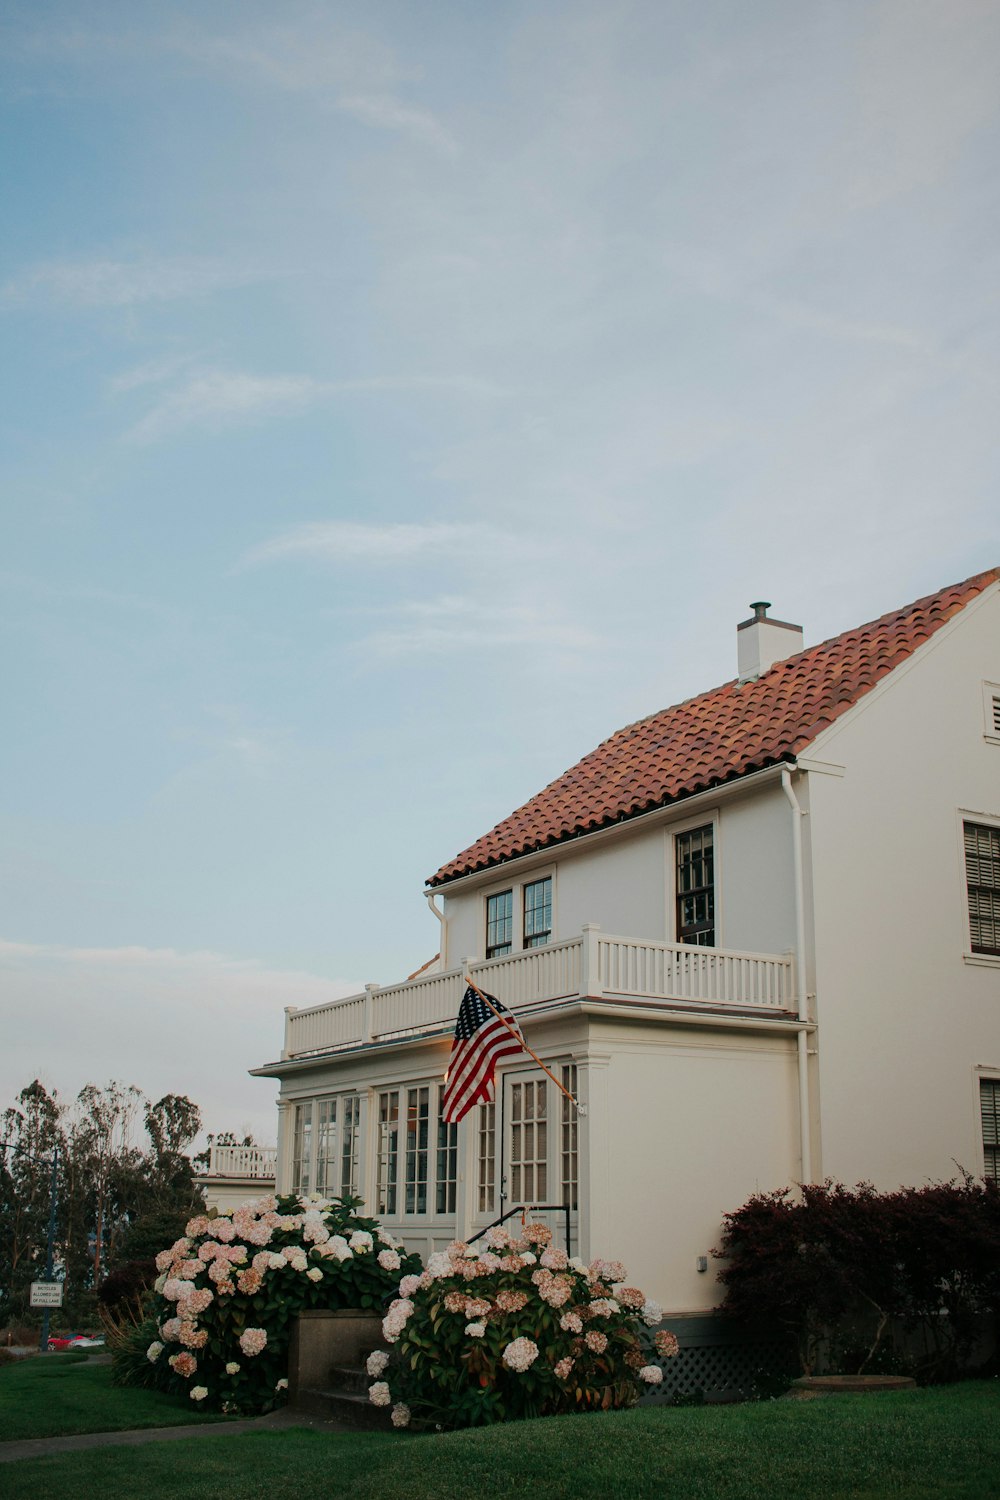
<point x="717" y="736"/>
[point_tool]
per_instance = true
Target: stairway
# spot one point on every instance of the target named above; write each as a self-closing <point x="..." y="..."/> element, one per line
<point x="327" y="1375"/>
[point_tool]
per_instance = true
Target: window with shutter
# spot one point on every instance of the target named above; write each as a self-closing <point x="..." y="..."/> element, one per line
<point x="989" y="1104"/>
<point x="982" y="874"/>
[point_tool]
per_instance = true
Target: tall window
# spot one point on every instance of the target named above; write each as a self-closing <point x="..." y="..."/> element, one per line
<point x="349" y="1141"/>
<point x="989" y="1104"/>
<point x="529" y="1154"/>
<point x="569" y="1156"/>
<point x="418" y="1109"/>
<point x="982" y="874"/>
<point x="302" y="1147"/>
<point x="499" y="923"/>
<point x="486" y="1147"/>
<point x="446" y="1179"/>
<point x="387" y="1174"/>
<point x="326" y="1180"/>
<point x="538" y="912"/>
<point x="695" y="887"/>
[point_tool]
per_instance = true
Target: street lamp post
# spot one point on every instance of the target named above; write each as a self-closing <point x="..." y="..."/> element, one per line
<point x="43" y="1342"/>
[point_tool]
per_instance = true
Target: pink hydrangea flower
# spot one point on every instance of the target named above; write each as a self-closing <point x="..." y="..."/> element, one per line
<point x="596" y="1342"/>
<point x="253" y="1340"/>
<point x="563" y="1368"/>
<point x="666" y="1343"/>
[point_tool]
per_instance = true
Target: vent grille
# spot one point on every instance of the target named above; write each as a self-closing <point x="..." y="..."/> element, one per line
<point x="995" y="712"/>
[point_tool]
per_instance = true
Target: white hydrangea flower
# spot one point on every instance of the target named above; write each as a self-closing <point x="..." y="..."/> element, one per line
<point x="232" y="1368"/>
<point x="376" y="1362"/>
<point x="520" y="1354"/>
<point x="652" y="1313"/>
<point x="360" y="1241"/>
<point x="475" y="1330"/>
<point x="379" y="1394"/>
<point x="154" y="1351"/>
<point x="651" y="1374"/>
<point x="198" y="1392"/>
<point x="314" y="1273"/>
<point x="439" y="1264"/>
<point x="400" y="1414"/>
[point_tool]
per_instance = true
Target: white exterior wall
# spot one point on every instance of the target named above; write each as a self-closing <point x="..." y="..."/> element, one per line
<point x="905" y="1016"/>
<point x="683" y="1125"/>
<point x="625" y="883"/>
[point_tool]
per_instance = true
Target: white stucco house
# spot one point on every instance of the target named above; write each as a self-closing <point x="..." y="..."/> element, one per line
<point x="757" y="934"/>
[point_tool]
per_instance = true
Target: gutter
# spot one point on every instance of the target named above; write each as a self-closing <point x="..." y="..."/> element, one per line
<point x="805" y="1133"/>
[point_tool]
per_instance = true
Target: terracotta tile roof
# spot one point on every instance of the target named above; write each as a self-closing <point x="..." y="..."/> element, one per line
<point x="717" y="736"/>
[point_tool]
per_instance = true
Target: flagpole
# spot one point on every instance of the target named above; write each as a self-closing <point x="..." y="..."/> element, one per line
<point x="580" y="1108"/>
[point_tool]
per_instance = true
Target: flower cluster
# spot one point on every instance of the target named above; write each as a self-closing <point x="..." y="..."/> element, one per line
<point x="230" y="1288"/>
<point x="515" y="1327"/>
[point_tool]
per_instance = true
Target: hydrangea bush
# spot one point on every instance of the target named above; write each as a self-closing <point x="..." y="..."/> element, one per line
<point x="515" y="1329"/>
<point x="230" y="1289"/>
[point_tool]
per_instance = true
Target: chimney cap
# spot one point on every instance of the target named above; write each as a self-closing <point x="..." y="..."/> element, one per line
<point x="760" y="608"/>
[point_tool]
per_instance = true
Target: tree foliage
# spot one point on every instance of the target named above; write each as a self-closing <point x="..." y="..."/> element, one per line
<point x="120" y="1160"/>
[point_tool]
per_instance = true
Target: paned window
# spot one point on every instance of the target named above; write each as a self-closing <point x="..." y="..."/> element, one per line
<point x="538" y="912"/>
<point x="569" y="1155"/>
<point x="528" y="1142"/>
<point x="446" y="1177"/>
<point x="695" y="887"/>
<point x="350" y="1139"/>
<point x="486" y="1158"/>
<point x="499" y="923"/>
<point x="418" y="1110"/>
<point x="326" y="1181"/>
<point x="302" y="1147"/>
<point x="989" y="1104"/>
<point x="387" y="1174"/>
<point x="982" y="874"/>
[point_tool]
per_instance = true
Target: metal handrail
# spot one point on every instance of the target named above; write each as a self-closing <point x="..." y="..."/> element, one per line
<point x="527" y="1208"/>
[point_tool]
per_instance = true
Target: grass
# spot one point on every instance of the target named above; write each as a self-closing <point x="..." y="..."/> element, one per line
<point x="941" y="1444"/>
<point x="54" y="1395"/>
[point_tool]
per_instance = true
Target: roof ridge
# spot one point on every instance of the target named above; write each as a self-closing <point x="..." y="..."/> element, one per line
<point x="717" y="735"/>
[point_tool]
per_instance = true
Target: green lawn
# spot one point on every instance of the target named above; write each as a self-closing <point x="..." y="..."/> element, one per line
<point x="941" y="1444"/>
<point x="53" y="1394"/>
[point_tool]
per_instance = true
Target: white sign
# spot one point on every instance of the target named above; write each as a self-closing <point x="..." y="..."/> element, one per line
<point x="46" y="1293"/>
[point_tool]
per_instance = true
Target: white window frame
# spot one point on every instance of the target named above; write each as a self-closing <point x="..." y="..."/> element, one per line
<point x="670" y="855"/>
<point x="430" y="1214"/>
<point x="991" y="695"/>
<point x="980" y="1076"/>
<point x="312" y="1103"/>
<point x="516" y="887"/>
<point x="984" y="820"/>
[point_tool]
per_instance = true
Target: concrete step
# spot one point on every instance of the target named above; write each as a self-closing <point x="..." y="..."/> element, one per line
<point x="350" y="1408"/>
<point x="346" y="1378"/>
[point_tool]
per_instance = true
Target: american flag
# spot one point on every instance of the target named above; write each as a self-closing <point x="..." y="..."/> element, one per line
<point x="481" y="1039"/>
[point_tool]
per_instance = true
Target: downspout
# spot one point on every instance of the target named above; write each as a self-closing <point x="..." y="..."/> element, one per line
<point x="805" y="1141"/>
<point x="429" y="896"/>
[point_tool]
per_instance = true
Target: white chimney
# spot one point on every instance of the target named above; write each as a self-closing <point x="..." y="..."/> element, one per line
<point x="761" y="642"/>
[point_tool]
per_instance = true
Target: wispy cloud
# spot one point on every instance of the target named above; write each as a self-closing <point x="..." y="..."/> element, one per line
<point x="125" y="282"/>
<point x="215" y="398"/>
<point x="452" y="624"/>
<point x="400" y="542"/>
<point x="385" y="113"/>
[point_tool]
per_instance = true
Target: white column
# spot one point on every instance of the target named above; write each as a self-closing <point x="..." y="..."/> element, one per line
<point x="595" y="1154"/>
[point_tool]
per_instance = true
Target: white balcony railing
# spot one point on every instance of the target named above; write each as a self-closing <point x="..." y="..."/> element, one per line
<point x="243" y="1161"/>
<point x="595" y="965"/>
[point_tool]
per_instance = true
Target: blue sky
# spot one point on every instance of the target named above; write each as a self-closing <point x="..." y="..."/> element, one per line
<point x="399" y="398"/>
